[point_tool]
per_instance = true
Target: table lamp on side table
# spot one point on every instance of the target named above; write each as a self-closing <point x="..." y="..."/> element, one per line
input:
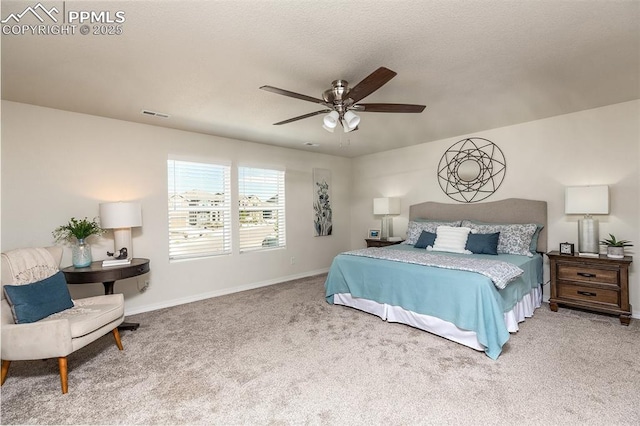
<point x="386" y="207"/>
<point x="587" y="200"/>
<point x="121" y="217"/>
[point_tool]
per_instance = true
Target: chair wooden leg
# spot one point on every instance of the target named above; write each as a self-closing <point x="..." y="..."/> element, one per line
<point x="5" y="370"/>
<point x="62" y="363"/>
<point x="116" y="335"/>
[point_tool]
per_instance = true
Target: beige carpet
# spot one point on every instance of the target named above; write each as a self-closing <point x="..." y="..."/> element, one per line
<point x="281" y="355"/>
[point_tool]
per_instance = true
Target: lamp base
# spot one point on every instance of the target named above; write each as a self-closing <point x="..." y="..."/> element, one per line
<point x="122" y="239"/>
<point x="386" y="229"/>
<point x="588" y="241"/>
<point x="589" y="254"/>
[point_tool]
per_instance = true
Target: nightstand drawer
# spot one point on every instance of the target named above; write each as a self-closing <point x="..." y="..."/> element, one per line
<point x="588" y="274"/>
<point x="588" y="294"/>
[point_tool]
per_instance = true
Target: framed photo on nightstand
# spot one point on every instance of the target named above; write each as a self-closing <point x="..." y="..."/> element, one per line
<point x="566" y="248"/>
<point x="374" y="234"/>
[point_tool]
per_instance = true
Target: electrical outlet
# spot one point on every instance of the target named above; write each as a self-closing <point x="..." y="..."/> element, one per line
<point x="145" y="287"/>
<point x="293" y="260"/>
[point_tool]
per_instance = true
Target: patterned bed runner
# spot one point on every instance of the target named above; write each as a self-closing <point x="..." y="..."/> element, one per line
<point x="501" y="273"/>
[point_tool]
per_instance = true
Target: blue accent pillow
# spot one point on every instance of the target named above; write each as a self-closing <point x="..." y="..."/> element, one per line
<point x="483" y="243"/>
<point x="35" y="301"/>
<point x="426" y="239"/>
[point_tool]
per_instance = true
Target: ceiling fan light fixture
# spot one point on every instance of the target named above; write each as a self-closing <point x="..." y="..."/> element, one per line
<point x="328" y="129"/>
<point x="351" y="120"/>
<point x="331" y="120"/>
<point x="346" y="128"/>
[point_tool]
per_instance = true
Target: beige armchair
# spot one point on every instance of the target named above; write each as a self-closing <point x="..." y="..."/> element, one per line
<point x="60" y="334"/>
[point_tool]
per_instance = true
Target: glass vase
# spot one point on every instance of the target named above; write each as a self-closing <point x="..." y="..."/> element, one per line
<point x="81" y="254"/>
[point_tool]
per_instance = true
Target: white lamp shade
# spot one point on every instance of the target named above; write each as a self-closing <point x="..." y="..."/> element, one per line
<point x="120" y="215"/>
<point x="587" y="200"/>
<point x="386" y="206"/>
<point x="351" y="119"/>
<point x="331" y="119"/>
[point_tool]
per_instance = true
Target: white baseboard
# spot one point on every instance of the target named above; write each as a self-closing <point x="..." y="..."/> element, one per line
<point x="208" y="295"/>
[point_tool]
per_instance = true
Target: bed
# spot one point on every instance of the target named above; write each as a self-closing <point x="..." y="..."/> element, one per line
<point x="473" y="299"/>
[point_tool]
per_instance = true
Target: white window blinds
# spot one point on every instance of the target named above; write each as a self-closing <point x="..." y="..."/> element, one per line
<point x="261" y="208"/>
<point x="199" y="209"/>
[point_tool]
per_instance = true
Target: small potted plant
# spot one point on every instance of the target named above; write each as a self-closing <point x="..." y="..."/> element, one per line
<point x="76" y="232"/>
<point x="615" y="248"/>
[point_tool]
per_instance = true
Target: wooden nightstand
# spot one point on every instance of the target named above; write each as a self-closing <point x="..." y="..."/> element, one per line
<point x="380" y="243"/>
<point x="598" y="284"/>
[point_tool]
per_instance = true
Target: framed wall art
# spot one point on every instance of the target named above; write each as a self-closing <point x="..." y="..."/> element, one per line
<point x="323" y="216"/>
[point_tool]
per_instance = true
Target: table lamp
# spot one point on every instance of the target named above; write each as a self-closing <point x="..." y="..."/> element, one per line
<point x="587" y="200"/>
<point x="121" y="217"/>
<point x="386" y="207"/>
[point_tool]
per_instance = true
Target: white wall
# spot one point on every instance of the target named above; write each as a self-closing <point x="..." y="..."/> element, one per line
<point x="57" y="164"/>
<point x="598" y="146"/>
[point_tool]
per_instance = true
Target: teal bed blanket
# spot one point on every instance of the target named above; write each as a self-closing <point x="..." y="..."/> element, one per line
<point x="469" y="300"/>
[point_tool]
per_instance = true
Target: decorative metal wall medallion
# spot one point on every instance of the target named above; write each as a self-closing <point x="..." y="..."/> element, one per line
<point x="471" y="170"/>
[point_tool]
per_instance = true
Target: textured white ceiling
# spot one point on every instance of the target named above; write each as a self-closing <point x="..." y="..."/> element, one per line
<point x="477" y="65"/>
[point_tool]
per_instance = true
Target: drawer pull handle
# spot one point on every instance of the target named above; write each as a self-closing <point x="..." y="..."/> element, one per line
<point x="586" y="275"/>
<point x="587" y="293"/>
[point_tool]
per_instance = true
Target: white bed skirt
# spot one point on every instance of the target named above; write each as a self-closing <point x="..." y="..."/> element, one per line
<point x="522" y="310"/>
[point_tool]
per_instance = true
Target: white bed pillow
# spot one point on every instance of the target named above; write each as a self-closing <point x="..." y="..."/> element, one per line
<point x="415" y="228"/>
<point x="451" y="239"/>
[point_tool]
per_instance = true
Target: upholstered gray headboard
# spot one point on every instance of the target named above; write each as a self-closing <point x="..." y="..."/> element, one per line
<point x="511" y="210"/>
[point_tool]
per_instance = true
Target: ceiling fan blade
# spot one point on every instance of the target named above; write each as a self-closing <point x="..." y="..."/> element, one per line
<point x="371" y="83"/>
<point x="311" y="114"/>
<point x="293" y="95"/>
<point x="390" y="108"/>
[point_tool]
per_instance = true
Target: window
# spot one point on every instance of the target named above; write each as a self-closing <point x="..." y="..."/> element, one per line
<point x="199" y="209"/>
<point x="261" y="208"/>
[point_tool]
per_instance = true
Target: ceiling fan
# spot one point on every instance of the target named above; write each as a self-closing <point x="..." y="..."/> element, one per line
<point x="341" y="101"/>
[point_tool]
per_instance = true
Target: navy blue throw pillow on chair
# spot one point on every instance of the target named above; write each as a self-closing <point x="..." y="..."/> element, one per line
<point x="426" y="239"/>
<point x="483" y="243"/>
<point x="35" y="301"/>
